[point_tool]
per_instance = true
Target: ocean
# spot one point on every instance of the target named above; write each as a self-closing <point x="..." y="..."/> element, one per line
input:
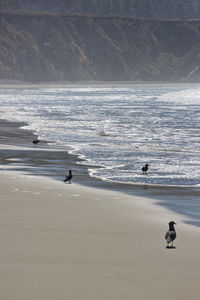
<point x="117" y="130"/>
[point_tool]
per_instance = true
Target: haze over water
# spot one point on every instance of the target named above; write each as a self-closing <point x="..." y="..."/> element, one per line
<point x="118" y="129"/>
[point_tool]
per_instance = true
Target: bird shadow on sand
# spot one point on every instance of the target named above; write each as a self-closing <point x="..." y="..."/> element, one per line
<point x="170" y="247"/>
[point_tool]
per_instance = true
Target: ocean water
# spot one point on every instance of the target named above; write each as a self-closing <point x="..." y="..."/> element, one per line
<point x="116" y="130"/>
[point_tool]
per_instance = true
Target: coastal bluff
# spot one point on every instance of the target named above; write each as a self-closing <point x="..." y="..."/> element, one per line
<point x="41" y="46"/>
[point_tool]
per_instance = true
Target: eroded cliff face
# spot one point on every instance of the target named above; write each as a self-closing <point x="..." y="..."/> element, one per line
<point x="45" y="47"/>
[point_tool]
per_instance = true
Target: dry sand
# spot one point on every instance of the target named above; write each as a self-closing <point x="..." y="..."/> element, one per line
<point x="65" y="241"/>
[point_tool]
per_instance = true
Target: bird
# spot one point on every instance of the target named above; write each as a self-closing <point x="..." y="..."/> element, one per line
<point x="170" y="234"/>
<point x="36" y="141"/>
<point x="145" y="168"/>
<point x="68" y="177"/>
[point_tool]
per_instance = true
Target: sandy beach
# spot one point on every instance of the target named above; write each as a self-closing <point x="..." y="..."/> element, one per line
<point x="70" y="241"/>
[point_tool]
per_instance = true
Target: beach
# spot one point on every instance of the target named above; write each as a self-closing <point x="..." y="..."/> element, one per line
<point x="76" y="241"/>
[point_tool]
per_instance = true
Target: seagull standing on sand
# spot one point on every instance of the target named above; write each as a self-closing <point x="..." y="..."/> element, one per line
<point x="145" y="168"/>
<point x="68" y="177"/>
<point x="170" y="234"/>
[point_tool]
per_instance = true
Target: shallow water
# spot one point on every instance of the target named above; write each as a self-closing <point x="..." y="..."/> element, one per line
<point x="118" y="129"/>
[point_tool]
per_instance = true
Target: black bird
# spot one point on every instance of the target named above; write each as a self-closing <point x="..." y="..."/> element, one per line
<point x="170" y="234"/>
<point x="145" y="168"/>
<point x="68" y="177"/>
<point x="36" y="141"/>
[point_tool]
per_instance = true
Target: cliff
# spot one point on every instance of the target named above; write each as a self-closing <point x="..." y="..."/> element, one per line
<point x="49" y="47"/>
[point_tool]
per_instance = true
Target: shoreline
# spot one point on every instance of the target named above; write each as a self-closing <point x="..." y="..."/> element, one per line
<point x="53" y="161"/>
<point x="94" y="84"/>
<point x="75" y="241"/>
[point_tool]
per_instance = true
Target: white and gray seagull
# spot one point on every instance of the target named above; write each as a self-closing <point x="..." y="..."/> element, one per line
<point x="170" y="234"/>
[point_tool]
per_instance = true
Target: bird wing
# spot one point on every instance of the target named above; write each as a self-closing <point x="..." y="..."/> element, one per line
<point x="68" y="177"/>
<point x="173" y="235"/>
<point x="168" y="237"/>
